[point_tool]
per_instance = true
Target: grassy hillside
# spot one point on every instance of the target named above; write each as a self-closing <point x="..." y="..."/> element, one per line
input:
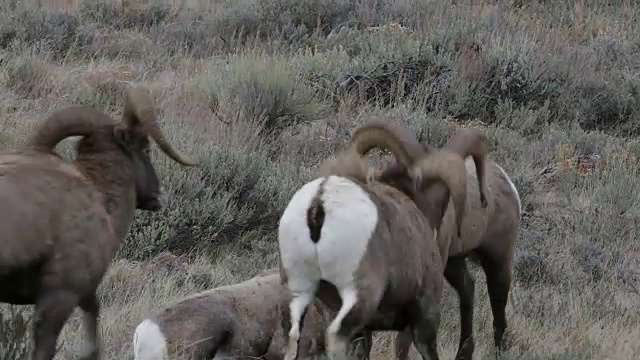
<point x="261" y="91"/>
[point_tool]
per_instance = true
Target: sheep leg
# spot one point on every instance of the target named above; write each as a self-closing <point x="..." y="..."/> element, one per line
<point x="337" y="344"/>
<point x="53" y="308"/>
<point x="403" y="343"/>
<point x="458" y="276"/>
<point x="91" y="347"/>
<point x="425" y="328"/>
<point x="297" y="309"/>
<point x="362" y="347"/>
<point x="498" y="274"/>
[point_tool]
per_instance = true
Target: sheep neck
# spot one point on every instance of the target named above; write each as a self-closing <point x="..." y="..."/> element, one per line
<point x="111" y="173"/>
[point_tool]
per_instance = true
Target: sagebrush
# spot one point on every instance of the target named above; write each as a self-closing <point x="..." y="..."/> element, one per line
<point x="261" y="91"/>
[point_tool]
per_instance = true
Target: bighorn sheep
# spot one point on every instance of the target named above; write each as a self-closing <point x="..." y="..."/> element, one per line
<point x="365" y="249"/>
<point x="60" y="224"/>
<point x="239" y="320"/>
<point x="490" y="223"/>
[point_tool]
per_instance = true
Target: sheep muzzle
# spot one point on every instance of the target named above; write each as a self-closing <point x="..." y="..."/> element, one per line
<point x="156" y="202"/>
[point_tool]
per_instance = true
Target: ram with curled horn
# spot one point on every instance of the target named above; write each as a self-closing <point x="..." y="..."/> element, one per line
<point x="365" y="250"/>
<point x="61" y="223"/>
<point x="487" y="229"/>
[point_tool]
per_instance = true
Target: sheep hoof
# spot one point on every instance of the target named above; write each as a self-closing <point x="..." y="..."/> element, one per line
<point x="337" y="348"/>
<point x="465" y="352"/>
<point x="92" y="356"/>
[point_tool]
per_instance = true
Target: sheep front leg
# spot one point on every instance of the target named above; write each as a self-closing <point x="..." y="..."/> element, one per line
<point x="91" y="347"/>
<point x="53" y="308"/>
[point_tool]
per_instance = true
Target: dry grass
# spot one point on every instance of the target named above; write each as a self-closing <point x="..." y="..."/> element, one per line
<point x="247" y="87"/>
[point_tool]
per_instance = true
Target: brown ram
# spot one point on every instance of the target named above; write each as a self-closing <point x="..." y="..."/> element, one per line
<point x="61" y="223"/>
<point x="239" y="321"/>
<point x="365" y="250"/>
<point x="490" y="222"/>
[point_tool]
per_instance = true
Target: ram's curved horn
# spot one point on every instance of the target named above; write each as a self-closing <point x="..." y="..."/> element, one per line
<point x="392" y="137"/>
<point x="448" y="167"/>
<point x="77" y="120"/>
<point x="471" y="142"/>
<point x="138" y="111"/>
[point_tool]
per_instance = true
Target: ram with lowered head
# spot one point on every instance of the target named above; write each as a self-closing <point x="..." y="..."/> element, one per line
<point x="490" y="222"/>
<point x="61" y="223"/>
<point x="365" y="250"/>
<point x="240" y="321"/>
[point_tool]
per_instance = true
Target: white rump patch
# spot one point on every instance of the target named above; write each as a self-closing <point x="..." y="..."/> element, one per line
<point x="350" y="220"/>
<point x="297" y="251"/>
<point x="149" y="343"/>
<point x="513" y="188"/>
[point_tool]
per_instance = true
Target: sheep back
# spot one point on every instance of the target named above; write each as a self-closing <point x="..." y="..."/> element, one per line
<point x="52" y="219"/>
<point x="234" y="320"/>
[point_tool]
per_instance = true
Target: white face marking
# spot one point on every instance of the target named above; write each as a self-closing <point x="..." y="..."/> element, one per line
<point x="513" y="188"/>
<point x="149" y="343"/>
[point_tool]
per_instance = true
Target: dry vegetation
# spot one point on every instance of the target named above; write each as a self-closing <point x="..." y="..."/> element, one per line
<point x="249" y="87"/>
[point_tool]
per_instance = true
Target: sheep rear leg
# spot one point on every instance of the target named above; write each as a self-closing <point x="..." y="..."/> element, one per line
<point x="337" y="345"/>
<point x="297" y="309"/>
<point x="362" y="346"/>
<point x="458" y="276"/>
<point x="91" y="347"/>
<point x="498" y="274"/>
<point x="53" y="308"/>
<point x="402" y="343"/>
<point x="425" y="328"/>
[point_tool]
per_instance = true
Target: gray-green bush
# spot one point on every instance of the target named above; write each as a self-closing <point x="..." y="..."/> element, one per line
<point x="261" y="91"/>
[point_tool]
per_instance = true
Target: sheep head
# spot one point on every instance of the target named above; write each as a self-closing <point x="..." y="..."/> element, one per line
<point x="132" y="137"/>
<point x="405" y="175"/>
<point x="139" y="122"/>
<point x="351" y="162"/>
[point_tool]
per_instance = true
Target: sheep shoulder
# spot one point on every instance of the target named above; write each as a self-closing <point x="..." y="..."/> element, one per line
<point x="407" y="231"/>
